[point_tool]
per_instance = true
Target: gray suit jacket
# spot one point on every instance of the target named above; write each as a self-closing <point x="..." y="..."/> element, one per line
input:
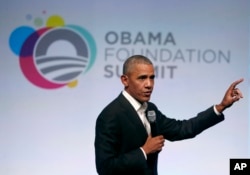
<point x="120" y="134"/>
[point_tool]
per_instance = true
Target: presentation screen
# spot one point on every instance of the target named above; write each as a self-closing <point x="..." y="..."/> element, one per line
<point x="61" y="63"/>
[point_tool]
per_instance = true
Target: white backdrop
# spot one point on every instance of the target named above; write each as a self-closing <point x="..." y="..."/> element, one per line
<point x="198" y="47"/>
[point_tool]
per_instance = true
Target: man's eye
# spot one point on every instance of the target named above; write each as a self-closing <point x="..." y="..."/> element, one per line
<point x="142" y="77"/>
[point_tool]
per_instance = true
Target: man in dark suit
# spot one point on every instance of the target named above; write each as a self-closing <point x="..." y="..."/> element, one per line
<point x="130" y="131"/>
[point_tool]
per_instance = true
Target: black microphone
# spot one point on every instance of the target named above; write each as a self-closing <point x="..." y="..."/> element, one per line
<point x="153" y="124"/>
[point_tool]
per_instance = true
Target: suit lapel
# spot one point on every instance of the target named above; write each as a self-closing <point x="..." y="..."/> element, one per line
<point x="132" y="115"/>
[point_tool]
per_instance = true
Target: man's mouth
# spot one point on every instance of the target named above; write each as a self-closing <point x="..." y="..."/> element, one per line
<point x="147" y="93"/>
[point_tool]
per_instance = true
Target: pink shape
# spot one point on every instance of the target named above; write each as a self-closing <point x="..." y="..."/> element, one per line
<point x="29" y="70"/>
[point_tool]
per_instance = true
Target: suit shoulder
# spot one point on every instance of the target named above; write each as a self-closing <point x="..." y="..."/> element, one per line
<point x="114" y="107"/>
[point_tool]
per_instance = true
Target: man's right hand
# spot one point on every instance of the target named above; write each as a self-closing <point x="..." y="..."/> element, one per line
<point x="153" y="144"/>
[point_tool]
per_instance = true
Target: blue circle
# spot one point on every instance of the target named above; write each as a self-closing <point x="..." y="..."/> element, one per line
<point x="18" y="37"/>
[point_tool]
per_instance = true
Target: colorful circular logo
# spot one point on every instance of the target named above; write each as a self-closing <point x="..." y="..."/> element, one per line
<point x="55" y="55"/>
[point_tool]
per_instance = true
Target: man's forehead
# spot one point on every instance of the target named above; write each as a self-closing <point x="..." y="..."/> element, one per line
<point x="143" y="70"/>
<point x="143" y="66"/>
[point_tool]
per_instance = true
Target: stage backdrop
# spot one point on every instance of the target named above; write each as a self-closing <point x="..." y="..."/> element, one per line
<point x="60" y="65"/>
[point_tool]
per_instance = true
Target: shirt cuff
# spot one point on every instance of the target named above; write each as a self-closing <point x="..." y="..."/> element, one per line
<point x="145" y="155"/>
<point x="216" y="112"/>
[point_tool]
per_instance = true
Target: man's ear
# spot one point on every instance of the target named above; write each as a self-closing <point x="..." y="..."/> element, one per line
<point x="124" y="80"/>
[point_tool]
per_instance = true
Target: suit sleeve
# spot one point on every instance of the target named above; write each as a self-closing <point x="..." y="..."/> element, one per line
<point x="174" y="130"/>
<point x="110" y="158"/>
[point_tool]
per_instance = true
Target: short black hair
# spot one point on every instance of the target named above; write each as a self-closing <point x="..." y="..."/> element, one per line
<point x="135" y="59"/>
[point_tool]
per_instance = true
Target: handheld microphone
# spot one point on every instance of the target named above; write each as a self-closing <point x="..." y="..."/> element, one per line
<point x="153" y="124"/>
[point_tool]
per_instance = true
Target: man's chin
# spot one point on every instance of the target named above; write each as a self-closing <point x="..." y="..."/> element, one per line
<point x="146" y="99"/>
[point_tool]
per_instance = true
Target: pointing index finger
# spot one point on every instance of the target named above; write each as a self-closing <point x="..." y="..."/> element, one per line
<point x="234" y="84"/>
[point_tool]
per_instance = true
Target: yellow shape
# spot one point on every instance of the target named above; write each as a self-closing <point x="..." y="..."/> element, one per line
<point x="72" y="84"/>
<point x="55" y="21"/>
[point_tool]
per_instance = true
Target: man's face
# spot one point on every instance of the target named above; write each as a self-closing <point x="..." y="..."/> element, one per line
<point x="139" y="82"/>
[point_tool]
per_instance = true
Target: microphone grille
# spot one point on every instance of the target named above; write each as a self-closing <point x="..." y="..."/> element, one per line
<point x="151" y="116"/>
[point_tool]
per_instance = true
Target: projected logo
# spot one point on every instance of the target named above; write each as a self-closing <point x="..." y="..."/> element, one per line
<point x="55" y="55"/>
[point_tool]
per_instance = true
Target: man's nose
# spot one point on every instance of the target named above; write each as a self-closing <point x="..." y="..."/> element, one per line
<point x="149" y="83"/>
